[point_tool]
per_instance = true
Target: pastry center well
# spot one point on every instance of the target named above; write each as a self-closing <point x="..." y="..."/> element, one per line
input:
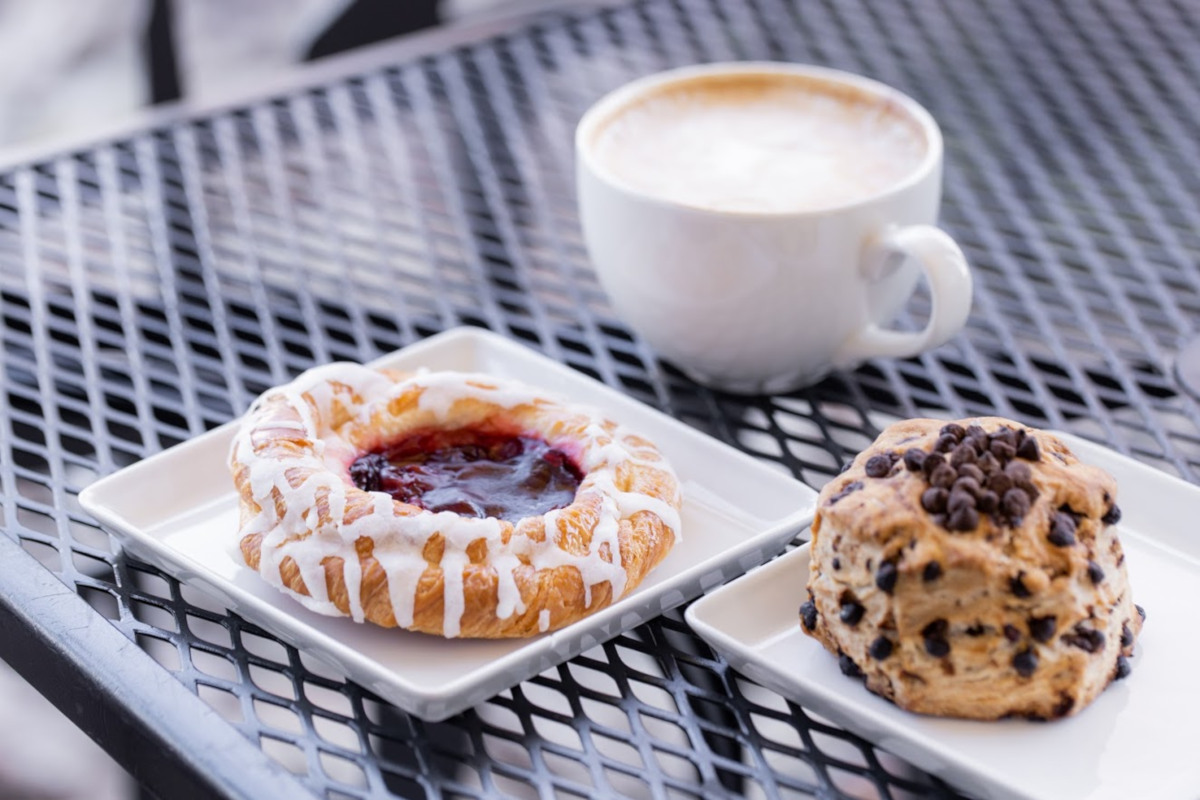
<point x="471" y="473"/>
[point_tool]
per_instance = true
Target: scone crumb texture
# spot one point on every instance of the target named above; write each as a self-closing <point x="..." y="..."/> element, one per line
<point x="972" y="569"/>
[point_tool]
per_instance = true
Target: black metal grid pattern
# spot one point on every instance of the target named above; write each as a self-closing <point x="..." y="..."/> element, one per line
<point x="151" y="286"/>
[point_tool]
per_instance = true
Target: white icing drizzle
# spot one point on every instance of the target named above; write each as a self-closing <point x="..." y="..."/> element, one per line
<point x="398" y="535"/>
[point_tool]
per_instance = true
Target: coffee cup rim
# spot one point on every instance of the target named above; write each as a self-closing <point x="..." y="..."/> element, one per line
<point x="611" y="103"/>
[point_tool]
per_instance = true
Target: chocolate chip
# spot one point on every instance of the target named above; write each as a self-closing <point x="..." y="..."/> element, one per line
<point x="1028" y="449"/>
<point x="959" y="499"/>
<point x="1019" y="472"/>
<point x="1123" y="668"/>
<point x="1112" y="516"/>
<point x="1042" y="628"/>
<point x="963" y="454"/>
<point x="971" y="471"/>
<point x="1025" y="662"/>
<point x="1062" y="529"/>
<point x="932" y="462"/>
<point x="943" y="476"/>
<point x="914" y="459"/>
<point x="881" y="648"/>
<point x="1017" y="586"/>
<point x="977" y="630"/>
<point x="999" y="483"/>
<point x="934" y="635"/>
<point x="808" y="615"/>
<point x="945" y="443"/>
<point x="976" y="432"/>
<point x="885" y="576"/>
<point x="878" y="466"/>
<point x="1141" y="612"/>
<point x="962" y="519"/>
<point x="938" y="648"/>
<point x="988" y="463"/>
<point x="1085" y="639"/>
<point x="1126" y="635"/>
<point x="848" y="667"/>
<point x="966" y="483"/>
<point x="987" y="501"/>
<point x="1011" y="633"/>
<point x="1095" y="572"/>
<point x="932" y="571"/>
<point x="836" y="563"/>
<point x="953" y="429"/>
<point x="1015" y="505"/>
<point x="852" y="611"/>
<point x="849" y="488"/>
<point x="1006" y="435"/>
<point x="934" y="499"/>
<point x="1065" y="703"/>
<point x="1003" y="451"/>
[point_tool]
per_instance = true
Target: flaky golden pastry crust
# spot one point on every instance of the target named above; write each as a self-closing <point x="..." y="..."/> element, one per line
<point x="338" y="549"/>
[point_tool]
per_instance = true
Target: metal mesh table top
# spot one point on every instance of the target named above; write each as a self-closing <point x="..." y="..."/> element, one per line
<point x="152" y="285"/>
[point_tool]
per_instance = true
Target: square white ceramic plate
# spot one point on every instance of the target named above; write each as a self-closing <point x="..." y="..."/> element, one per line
<point x="178" y="511"/>
<point x="1138" y="739"/>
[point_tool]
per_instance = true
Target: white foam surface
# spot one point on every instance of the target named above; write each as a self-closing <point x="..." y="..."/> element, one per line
<point x="774" y="146"/>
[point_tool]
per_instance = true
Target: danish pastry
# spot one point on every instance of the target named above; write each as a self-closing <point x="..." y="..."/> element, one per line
<point x="449" y="503"/>
<point x="972" y="569"/>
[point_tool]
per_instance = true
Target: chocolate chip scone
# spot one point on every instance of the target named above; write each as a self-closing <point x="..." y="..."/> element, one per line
<point x="972" y="569"/>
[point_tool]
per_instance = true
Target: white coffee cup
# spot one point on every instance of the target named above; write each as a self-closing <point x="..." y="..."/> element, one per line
<point x="752" y="296"/>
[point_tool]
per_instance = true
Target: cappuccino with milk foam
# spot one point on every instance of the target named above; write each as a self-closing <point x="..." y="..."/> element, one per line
<point x="760" y="224"/>
<point x="759" y="144"/>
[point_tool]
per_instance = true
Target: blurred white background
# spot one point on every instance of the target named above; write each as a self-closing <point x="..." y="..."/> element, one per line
<point x="68" y="67"/>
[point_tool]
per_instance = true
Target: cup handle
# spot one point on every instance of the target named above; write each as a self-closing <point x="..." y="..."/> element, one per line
<point x="949" y="279"/>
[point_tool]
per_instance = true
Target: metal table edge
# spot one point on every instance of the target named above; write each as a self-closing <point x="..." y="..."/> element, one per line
<point x="67" y="650"/>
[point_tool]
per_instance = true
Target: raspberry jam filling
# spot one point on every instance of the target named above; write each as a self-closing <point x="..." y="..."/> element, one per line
<point x="471" y="473"/>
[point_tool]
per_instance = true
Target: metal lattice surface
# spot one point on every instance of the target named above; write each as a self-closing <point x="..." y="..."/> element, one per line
<point x="151" y="286"/>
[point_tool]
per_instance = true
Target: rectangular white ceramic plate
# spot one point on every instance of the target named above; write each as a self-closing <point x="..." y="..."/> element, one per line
<point x="178" y="511"/>
<point x="1138" y="739"/>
